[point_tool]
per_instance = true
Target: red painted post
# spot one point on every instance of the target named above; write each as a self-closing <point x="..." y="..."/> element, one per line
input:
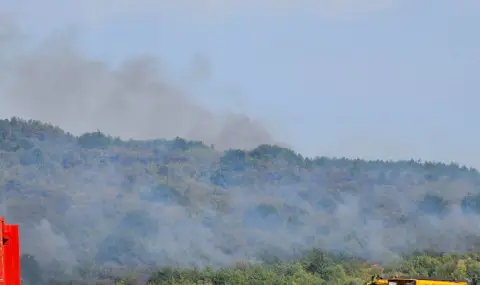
<point x="9" y="254"/>
<point x="2" y="255"/>
<point x="12" y="255"/>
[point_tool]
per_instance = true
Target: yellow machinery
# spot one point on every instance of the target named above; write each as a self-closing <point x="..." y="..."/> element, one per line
<point x="395" y="280"/>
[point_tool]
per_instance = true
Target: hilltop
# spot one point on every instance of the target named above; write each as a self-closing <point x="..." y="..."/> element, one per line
<point x="98" y="199"/>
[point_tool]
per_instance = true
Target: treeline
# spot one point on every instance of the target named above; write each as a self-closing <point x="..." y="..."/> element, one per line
<point x="314" y="267"/>
<point x="139" y="205"/>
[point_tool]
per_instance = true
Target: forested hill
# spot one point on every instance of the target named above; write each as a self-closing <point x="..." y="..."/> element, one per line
<point x="94" y="198"/>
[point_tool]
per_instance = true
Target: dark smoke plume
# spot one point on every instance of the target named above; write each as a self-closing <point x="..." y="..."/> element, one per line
<point x="55" y="82"/>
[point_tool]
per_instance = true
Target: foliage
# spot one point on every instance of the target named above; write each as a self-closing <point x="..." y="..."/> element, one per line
<point x="315" y="267"/>
<point x="238" y="217"/>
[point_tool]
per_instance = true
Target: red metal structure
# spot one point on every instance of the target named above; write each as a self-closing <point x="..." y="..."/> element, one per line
<point x="9" y="254"/>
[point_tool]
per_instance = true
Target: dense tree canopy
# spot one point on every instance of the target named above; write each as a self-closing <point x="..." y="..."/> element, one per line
<point x="260" y="216"/>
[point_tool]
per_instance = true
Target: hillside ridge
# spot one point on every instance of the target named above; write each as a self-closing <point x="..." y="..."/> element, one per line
<point x="96" y="198"/>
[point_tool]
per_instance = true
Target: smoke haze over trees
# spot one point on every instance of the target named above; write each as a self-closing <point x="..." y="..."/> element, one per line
<point x="94" y="198"/>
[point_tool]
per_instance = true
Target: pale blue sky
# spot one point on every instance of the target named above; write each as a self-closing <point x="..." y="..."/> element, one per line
<point x="375" y="79"/>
